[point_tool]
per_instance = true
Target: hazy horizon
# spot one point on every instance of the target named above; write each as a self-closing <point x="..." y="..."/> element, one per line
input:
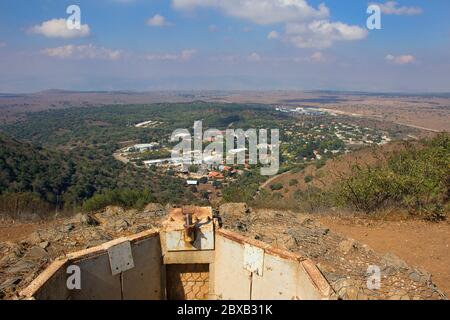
<point x="181" y="45"/>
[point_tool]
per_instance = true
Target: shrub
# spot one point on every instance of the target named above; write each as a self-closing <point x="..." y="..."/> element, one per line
<point x="320" y="163"/>
<point x="293" y="182"/>
<point x="309" y="179"/>
<point x="276" y="186"/>
<point x="126" y="198"/>
<point x="416" y="179"/>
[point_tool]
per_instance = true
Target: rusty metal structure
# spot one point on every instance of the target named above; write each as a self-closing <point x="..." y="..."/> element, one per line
<point x="190" y="258"/>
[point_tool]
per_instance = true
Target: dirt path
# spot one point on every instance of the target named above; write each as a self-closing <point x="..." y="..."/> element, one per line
<point x="422" y="244"/>
<point x="120" y="158"/>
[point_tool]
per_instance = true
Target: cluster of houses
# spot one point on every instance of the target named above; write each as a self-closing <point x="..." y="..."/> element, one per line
<point x="142" y="147"/>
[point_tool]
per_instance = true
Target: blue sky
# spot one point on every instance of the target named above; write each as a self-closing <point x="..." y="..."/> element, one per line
<point x="225" y="44"/>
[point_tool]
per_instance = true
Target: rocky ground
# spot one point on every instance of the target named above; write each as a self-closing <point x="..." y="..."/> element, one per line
<point x="343" y="261"/>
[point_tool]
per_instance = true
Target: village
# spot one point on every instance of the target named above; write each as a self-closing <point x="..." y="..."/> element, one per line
<point x="310" y="136"/>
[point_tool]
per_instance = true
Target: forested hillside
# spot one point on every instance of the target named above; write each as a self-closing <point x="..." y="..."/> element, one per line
<point x="34" y="180"/>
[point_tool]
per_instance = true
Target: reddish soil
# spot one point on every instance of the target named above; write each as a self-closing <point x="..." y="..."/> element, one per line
<point x="16" y="232"/>
<point x="418" y="243"/>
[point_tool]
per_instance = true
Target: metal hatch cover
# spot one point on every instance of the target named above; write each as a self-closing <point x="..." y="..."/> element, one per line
<point x="121" y="258"/>
<point x="253" y="259"/>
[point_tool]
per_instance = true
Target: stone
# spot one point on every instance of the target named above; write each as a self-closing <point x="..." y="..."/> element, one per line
<point x="347" y="246"/>
<point x="399" y="295"/>
<point x="21" y="266"/>
<point x="34" y="238"/>
<point x="44" y="244"/>
<point x="122" y="224"/>
<point x="114" y="210"/>
<point x="156" y="209"/>
<point x="391" y="260"/>
<point x="10" y="282"/>
<point x="88" y="220"/>
<point x="233" y="211"/>
<point x="68" y="227"/>
<point x="349" y="289"/>
<point x="420" y="275"/>
<point x="36" y="252"/>
<point x="240" y="226"/>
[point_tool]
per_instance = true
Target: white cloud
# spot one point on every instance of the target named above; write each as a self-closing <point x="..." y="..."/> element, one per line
<point x="318" y="57"/>
<point x="306" y="26"/>
<point x="254" y="57"/>
<point x="184" y="55"/>
<point x="260" y="11"/>
<point x="400" y="60"/>
<point x="158" y="21"/>
<point x="273" y="35"/>
<point x="392" y="8"/>
<point x="322" y="34"/>
<point x="83" y="52"/>
<point x="57" y="28"/>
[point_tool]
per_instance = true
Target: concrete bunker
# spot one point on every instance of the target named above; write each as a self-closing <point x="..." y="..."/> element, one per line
<point x="190" y="258"/>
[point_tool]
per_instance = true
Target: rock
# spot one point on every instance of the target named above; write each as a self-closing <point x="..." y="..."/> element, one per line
<point x="391" y="260"/>
<point x="37" y="252"/>
<point x="6" y="259"/>
<point x="399" y="295"/>
<point x="34" y="238"/>
<point x="44" y="244"/>
<point x="21" y="266"/>
<point x="347" y="246"/>
<point x="240" y="226"/>
<point x="15" y="249"/>
<point x="87" y="219"/>
<point x="367" y="249"/>
<point x="156" y="209"/>
<point x="420" y="275"/>
<point x="68" y="227"/>
<point x="306" y="222"/>
<point x="113" y="211"/>
<point x="121" y="224"/>
<point x="233" y="211"/>
<point x="10" y="282"/>
<point x="348" y="289"/>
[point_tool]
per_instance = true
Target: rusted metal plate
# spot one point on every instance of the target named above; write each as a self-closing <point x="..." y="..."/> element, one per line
<point x="204" y="240"/>
<point x="202" y="226"/>
<point x="121" y="258"/>
<point x="253" y="259"/>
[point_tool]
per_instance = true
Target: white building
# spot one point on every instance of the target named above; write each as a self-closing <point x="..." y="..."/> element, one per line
<point x="143" y="147"/>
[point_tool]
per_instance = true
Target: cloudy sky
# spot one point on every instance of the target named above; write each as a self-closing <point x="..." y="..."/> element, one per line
<point x="225" y="44"/>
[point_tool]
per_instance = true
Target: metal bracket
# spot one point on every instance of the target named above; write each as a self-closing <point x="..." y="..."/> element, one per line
<point x="253" y="259"/>
<point x="120" y="258"/>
